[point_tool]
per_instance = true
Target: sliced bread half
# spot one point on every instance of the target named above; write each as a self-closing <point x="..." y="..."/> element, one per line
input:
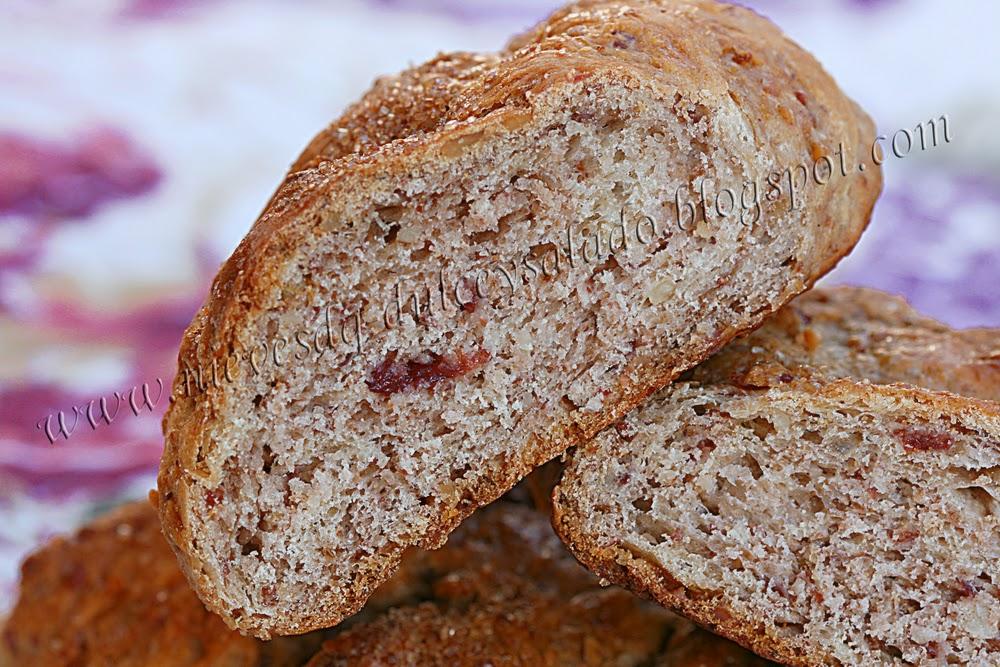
<point x="825" y="491"/>
<point x="489" y="277"/>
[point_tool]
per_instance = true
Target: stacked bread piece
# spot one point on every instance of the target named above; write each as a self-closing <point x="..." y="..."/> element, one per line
<point x="492" y="261"/>
<point x="112" y="594"/>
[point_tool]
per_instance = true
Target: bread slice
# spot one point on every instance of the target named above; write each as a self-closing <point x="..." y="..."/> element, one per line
<point x="825" y="491"/>
<point x="504" y="591"/>
<point x="300" y="463"/>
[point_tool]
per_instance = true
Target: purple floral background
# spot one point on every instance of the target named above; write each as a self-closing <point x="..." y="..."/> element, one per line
<point x="140" y="138"/>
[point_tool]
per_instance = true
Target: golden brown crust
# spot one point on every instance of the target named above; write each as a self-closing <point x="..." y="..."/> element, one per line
<point x="597" y="627"/>
<point x="696" y="47"/>
<point x="112" y="594"/>
<point x="593" y="628"/>
<point x="861" y="334"/>
<point x="843" y="346"/>
<point x="410" y="103"/>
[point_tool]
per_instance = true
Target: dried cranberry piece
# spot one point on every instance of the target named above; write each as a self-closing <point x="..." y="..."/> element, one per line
<point x="923" y="441"/>
<point x="214" y="497"/>
<point x="392" y="376"/>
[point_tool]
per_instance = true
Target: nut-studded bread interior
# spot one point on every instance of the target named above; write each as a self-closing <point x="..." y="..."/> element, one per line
<point x="823" y="491"/>
<point x="300" y="462"/>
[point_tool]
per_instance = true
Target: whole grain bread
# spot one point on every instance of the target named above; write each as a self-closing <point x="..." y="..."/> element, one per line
<point x="505" y="592"/>
<point x="503" y="233"/>
<point x="824" y="491"/>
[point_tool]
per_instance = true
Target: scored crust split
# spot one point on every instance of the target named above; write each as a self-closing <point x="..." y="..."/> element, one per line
<point x="824" y="491"/>
<point x="479" y="266"/>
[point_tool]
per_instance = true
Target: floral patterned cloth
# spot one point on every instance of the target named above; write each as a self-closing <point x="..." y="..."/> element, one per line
<point x="140" y="138"/>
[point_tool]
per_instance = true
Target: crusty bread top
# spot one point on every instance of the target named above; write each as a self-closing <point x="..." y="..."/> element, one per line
<point x="610" y="627"/>
<point x="580" y="38"/>
<point x="415" y="101"/>
<point x="592" y="629"/>
<point x="112" y="594"/>
<point x="863" y="335"/>
<point x="433" y="106"/>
